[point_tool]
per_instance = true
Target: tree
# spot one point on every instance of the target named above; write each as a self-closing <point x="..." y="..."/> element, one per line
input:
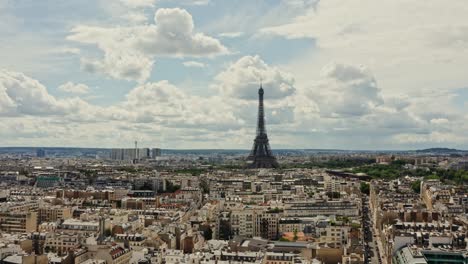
<point x="204" y="185"/>
<point x="207" y="232"/>
<point x="365" y="188"/>
<point x="432" y="177"/>
<point x="275" y="210"/>
<point x="416" y="186"/>
<point x="295" y="235"/>
<point x="171" y="188"/>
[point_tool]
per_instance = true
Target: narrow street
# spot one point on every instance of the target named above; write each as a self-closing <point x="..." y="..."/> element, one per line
<point x="371" y="252"/>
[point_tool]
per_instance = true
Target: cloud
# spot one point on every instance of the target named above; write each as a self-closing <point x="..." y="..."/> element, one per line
<point x="158" y="92"/>
<point x="188" y="2"/>
<point x="247" y="18"/>
<point x="136" y="18"/>
<point x="67" y="51"/>
<point x="346" y="102"/>
<point x="21" y="95"/>
<point x="193" y="64"/>
<point x="300" y="3"/>
<point x="198" y="2"/>
<point x="121" y="65"/>
<point x="346" y="90"/>
<point x="439" y="121"/>
<point x="231" y="34"/>
<point x="242" y="79"/>
<point x="138" y="3"/>
<point x="70" y="87"/>
<point x="130" y="52"/>
<point x="432" y="137"/>
<point x="163" y="110"/>
<point x="170" y="106"/>
<point x="408" y="52"/>
<point x="148" y="109"/>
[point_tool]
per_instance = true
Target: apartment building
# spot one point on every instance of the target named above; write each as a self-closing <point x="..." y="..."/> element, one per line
<point x="18" y="222"/>
<point x="78" y="226"/>
<point x="279" y="258"/>
<point x="52" y="214"/>
<point x="321" y="207"/>
<point x="243" y="221"/>
<point x="266" y="225"/>
<point x="111" y="254"/>
<point x="333" y="236"/>
<point x="287" y="225"/>
<point x="62" y="243"/>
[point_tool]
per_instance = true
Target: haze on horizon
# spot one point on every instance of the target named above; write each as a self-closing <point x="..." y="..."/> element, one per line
<point x="184" y="74"/>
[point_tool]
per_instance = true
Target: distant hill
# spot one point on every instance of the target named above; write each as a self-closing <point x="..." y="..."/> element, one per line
<point x="440" y="150"/>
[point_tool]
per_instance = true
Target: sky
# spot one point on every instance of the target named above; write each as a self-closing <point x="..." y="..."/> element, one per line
<point x="184" y="74"/>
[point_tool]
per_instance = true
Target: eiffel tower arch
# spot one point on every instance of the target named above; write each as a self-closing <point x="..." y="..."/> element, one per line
<point x="261" y="155"/>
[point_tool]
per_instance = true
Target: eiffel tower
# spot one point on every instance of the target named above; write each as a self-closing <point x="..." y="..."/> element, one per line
<point x="261" y="156"/>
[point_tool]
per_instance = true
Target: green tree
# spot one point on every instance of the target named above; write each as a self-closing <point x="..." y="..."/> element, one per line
<point x="416" y="186"/>
<point x="432" y="177"/>
<point x="171" y="187"/>
<point x="295" y="238"/>
<point x="365" y="188"/>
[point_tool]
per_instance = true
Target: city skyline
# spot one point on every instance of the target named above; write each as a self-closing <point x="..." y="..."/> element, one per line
<point x="178" y="74"/>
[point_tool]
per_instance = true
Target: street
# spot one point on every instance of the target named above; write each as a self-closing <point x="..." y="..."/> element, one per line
<point x="371" y="252"/>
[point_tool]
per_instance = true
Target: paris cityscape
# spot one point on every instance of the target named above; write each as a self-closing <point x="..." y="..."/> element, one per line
<point x="233" y="132"/>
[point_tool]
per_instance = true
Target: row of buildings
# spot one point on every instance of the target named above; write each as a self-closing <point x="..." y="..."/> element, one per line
<point x="425" y="227"/>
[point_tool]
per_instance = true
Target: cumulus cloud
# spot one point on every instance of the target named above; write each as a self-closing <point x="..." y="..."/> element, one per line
<point x="121" y="65"/>
<point x="129" y="52"/>
<point x="154" y="93"/>
<point x="150" y="108"/>
<point x="193" y="64"/>
<point x="136" y="18"/>
<point x="78" y="88"/>
<point x="417" y="63"/>
<point x="408" y="52"/>
<point x="242" y="79"/>
<point x="20" y="94"/>
<point x="345" y="90"/>
<point x="345" y="104"/>
<point x="170" y="106"/>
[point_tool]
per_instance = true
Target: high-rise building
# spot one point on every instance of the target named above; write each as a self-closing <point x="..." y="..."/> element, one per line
<point x="261" y="155"/>
<point x="40" y="153"/>
<point x="130" y="154"/>
<point x="156" y="152"/>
